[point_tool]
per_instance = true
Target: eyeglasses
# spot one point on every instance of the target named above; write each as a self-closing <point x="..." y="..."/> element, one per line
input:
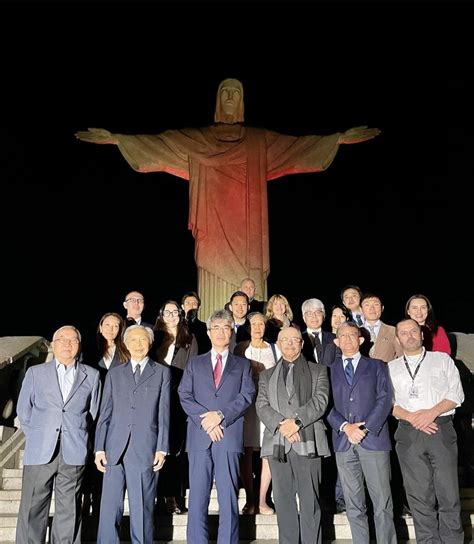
<point x="216" y="328"/>
<point x="135" y="300"/>
<point x="66" y="341"/>
<point x="170" y="313"/>
<point x="289" y="340"/>
<point x="317" y="313"/>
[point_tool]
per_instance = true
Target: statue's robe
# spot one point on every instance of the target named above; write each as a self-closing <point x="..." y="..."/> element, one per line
<point x="228" y="166"/>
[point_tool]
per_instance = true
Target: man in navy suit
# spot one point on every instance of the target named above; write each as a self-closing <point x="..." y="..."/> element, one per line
<point x="57" y="404"/>
<point x="215" y="391"/>
<point x="362" y="398"/>
<point x="131" y="440"/>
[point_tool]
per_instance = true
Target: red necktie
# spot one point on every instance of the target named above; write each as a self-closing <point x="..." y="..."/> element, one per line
<point x="218" y="370"/>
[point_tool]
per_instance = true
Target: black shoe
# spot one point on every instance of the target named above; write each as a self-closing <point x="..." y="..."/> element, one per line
<point x="340" y="507"/>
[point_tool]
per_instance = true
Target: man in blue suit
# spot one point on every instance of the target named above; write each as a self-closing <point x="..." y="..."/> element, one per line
<point x="131" y="440"/>
<point x="362" y="401"/>
<point x="215" y="391"/>
<point x="57" y="404"/>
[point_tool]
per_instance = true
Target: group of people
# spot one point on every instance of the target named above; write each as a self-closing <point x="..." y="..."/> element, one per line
<point x="192" y="401"/>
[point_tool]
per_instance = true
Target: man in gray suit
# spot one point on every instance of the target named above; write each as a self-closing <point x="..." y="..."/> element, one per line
<point x="292" y="398"/>
<point x="131" y="440"/>
<point x="57" y="404"/>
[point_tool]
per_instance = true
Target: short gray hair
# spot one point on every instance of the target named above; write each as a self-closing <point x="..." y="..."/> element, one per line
<point x="128" y="330"/>
<point x="71" y="327"/>
<point x="348" y="325"/>
<point x="312" y="304"/>
<point x="220" y="314"/>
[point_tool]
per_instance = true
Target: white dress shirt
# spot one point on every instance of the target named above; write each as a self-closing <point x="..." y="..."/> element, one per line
<point x="437" y="379"/>
<point x="66" y="376"/>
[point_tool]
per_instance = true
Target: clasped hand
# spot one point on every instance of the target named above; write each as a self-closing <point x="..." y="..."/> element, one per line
<point x="423" y="420"/>
<point x="210" y="422"/>
<point x="354" y="434"/>
<point x="289" y="429"/>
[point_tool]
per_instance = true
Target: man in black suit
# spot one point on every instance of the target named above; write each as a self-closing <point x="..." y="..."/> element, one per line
<point x="318" y="345"/>
<point x="247" y="285"/>
<point x="191" y="304"/>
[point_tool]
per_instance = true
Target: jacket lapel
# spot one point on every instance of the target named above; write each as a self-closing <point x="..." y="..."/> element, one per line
<point x="361" y="369"/>
<point x="81" y="375"/>
<point x="147" y="373"/>
<point x="53" y="379"/>
<point x="227" y="369"/>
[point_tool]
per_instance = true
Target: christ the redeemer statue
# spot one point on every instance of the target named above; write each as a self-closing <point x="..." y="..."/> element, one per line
<point x="228" y="165"/>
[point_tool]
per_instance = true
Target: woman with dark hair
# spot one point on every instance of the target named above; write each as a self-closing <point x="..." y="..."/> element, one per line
<point x="174" y="345"/>
<point x="419" y="308"/>
<point x="262" y="355"/>
<point x="111" y="347"/>
<point x="111" y="352"/>
<point x="339" y="314"/>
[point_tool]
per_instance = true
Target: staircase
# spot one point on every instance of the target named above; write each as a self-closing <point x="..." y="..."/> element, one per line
<point x="173" y="528"/>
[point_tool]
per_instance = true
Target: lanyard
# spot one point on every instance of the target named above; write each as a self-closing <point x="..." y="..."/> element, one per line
<point x="413" y="376"/>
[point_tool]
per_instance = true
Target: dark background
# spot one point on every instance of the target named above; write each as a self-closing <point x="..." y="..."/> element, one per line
<point x="80" y="228"/>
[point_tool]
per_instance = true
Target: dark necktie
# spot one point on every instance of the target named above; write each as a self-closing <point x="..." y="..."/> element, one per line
<point x="318" y="346"/>
<point x="359" y="320"/>
<point x="137" y="372"/>
<point x="290" y="387"/>
<point x="218" y="370"/>
<point x="349" y="370"/>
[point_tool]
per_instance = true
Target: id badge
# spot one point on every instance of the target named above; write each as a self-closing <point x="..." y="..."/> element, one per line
<point x="413" y="392"/>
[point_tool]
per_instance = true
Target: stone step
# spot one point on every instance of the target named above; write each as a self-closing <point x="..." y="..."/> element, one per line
<point x="251" y="527"/>
<point x="259" y="527"/>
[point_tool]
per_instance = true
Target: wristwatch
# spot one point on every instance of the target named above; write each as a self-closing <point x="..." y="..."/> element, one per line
<point x="364" y="429"/>
<point x="220" y="414"/>
<point x="298" y="422"/>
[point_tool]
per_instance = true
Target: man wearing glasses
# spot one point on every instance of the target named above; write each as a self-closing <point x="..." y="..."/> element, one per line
<point x="292" y="398"/>
<point x="57" y="404"/>
<point x="134" y="303"/>
<point x="215" y="392"/>
<point x="318" y="345"/>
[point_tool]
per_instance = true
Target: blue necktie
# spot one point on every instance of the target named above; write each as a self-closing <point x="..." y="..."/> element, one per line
<point x="359" y="320"/>
<point x="349" y="371"/>
<point x="136" y="374"/>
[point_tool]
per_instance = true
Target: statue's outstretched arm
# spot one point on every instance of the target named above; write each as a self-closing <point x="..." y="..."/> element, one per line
<point x="357" y="135"/>
<point x="97" y="136"/>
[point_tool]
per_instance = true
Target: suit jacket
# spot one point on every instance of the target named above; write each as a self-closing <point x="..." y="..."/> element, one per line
<point x="368" y="399"/>
<point x="134" y="415"/>
<point x="199" y="330"/>
<point x="327" y="345"/>
<point x="256" y="306"/>
<point x="386" y="346"/>
<point x="234" y="395"/>
<point x="310" y="413"/>
<point x="43" y="413"/>
<point x="103" y="369"/>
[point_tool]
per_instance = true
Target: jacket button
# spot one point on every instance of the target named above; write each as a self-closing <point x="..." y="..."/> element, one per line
<point x="57" y="430"/>
<point x="351" y="399"/>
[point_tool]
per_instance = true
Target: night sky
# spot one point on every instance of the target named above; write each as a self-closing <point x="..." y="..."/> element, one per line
<point x="392" y="215"/>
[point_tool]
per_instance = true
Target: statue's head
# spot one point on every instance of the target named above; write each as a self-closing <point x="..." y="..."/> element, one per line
<point x="230" y="102"/>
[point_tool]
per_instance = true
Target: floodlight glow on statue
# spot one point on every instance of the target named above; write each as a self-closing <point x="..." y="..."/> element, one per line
<point x="228" y="166"/>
